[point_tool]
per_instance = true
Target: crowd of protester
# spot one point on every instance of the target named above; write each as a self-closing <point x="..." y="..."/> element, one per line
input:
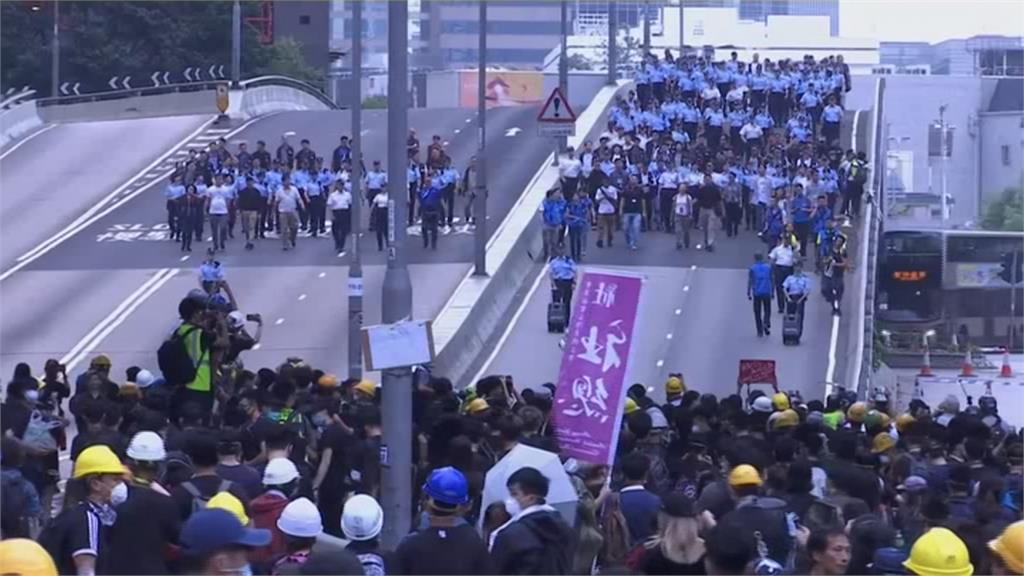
<point x="198" y="465"/>
<point x="298" y="193"/>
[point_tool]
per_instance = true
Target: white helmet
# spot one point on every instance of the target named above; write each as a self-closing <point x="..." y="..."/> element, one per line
<point x="762" y="404"/>
<point x="362" y="519"/>
<point x="147" y="446"/>
<point x="279" y="471"/>
<point x="144" y="378"/>
<point x="236" y="320"/>
<point x="300" y="518"/>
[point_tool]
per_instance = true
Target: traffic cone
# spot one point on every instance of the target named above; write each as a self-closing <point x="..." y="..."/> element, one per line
<point x="967" y="368"/>
<point x="926" y="364"/>
<point x="1006" y="371"/>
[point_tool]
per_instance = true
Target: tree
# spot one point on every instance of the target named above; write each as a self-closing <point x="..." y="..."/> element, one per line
<point x="104" y="39"/>
<point x="1006" y="212"/>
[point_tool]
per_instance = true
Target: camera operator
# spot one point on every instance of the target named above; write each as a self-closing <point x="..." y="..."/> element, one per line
<point x="204" y="334"/>
<point x="239" y="339"/>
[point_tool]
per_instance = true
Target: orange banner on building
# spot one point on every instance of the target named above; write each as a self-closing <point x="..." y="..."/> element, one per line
<point x="504" y="88"/>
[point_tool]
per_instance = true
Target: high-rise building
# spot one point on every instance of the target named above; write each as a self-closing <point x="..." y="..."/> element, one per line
<point x="375" y="31"/>
<point x="520" y="33"/>
<point x="308" y="23"/>
<point x="762" y="9"/>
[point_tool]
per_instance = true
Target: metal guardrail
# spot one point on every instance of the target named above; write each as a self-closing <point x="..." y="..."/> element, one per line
<point x="16" y="99"/>
<point x="209" y="85"/>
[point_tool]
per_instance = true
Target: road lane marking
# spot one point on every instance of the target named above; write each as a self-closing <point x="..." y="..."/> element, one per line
<point x="833" y="343"/>
<point x="22" y="142"/>
<point x="97" y="212"/>
<point x="509" y="327"/>
<point x="322" y="274"/>
<point x="92" y="339"/>
<point x="56" y="238"/>
<point x="279" y="321"/>
<point x="302" y="297"/>
<point x="659" y="363"/>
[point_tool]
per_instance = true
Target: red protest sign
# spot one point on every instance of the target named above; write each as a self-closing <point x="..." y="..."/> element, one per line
<point x="757" y="372"/>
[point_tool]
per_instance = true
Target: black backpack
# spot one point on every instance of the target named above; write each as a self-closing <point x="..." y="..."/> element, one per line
<point x="200" y="500"/>
<point x="174" y="359"/>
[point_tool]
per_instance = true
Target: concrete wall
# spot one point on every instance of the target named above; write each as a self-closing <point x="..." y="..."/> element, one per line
<point x="18" y="121"/>
<point x="170" y="104"/>
<point x="1001" y="170"/>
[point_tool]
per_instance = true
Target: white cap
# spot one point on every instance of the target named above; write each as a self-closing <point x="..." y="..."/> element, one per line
<point x="279" y="471"/>
<point x="144" y="378"/>
<point x="362" y="519"/>
<point x="236" y="320"/>
<point x="147" y="446"/>
<point x="763" y="404"/>
<point x="300" y="518"/>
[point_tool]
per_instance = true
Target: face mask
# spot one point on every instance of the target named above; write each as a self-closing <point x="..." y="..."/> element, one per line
<point x="119" y="494"/>
<point x="32" y="395"/>
<point x="512" y="507"/>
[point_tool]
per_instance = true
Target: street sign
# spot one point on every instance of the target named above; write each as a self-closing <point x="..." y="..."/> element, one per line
<point x="556" y="117"/>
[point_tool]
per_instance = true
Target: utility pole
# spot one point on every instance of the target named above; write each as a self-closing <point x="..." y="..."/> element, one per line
<point x="563" y="72"/>
<point x="236" y="43"/>
<point x="355" y="266"/>
<point x="55" y="52"/>
<point x="944" y="150"/>
<point x="682" y="27"/>
<point x="613" y="48"/>
<point x="480" y="204"/>
<point x="396" y="449"/>
<point x="647" y="27"/>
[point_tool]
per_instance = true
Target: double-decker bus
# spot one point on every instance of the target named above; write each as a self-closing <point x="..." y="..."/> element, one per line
<point x="950" y="281"/>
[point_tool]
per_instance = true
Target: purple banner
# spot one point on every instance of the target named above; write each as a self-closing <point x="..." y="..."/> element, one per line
<point x="590" y="394"/>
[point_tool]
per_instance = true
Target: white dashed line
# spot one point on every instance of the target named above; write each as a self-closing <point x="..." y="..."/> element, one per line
<point x="302" y="297"/>
<point x="693" y="267"/>
<point x="686" y="288"/>
<point x="679" y="311"/>
<point x="256" y="346"/>
<point x="457" y="130"/>
<point x="468" y="120"/>
<point x="322" y="274"/>
<point x="668" y="336"/>
<point x="659" y="363"/>
<point x="279" y="321"/>
<point x="185" y="257"/>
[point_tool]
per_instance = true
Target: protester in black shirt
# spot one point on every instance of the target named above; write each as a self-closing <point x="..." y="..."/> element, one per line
<point x="147" y="522"/>
<point x="537" y="540"/>
<point x="709" y="202"/>
<point x="204" y="484"/>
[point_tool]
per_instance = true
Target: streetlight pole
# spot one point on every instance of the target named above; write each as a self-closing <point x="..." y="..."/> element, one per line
<point x="943" y="149"/>
<point x="647" y="27"/>
<point x="613" y="48"/>
<point x="480" y="204"/>
<point x="396" y="449"/>
<point x="55" y="52"/>
<point x="236" y="43"/>
<point x="355" y="266"/>
<point x="563" y="70"/>
<point x="682" y="27"/>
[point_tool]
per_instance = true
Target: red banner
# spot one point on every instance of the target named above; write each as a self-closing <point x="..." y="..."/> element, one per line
<point x="757" y="372"/>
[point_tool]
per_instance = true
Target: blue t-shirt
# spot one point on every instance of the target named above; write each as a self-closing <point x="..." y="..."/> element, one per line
<point x="761" y="279"/>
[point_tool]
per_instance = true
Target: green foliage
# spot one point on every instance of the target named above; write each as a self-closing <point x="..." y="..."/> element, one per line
<point x="1006" y="212"/>
<point x="107" y="38"/>
<point x="579" y="62"/>
<point x="375" y="102"/>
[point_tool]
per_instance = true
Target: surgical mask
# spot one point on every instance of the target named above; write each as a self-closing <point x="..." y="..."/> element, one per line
<point x="119" y="494"/>
<point x="512" y="507"/>
<point x="32" y="395"/>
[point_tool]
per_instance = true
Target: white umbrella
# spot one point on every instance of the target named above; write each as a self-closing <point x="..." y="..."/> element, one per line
<point x="561" y="493"/>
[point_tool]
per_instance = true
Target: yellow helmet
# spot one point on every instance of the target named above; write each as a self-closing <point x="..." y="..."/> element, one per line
<point x="366" y="387"/>
<point x="675" y="385"/>
<point x="744" y="475"/>
<point x="780" y="401"/>
<point x="26" y="557"/>
<point x="857" y="412"/>
<point x="786" y="419"/>
<point x="327" y="381"/>
<point x="903" y="421"/>
<point x="477" y="405"/>
<point x="939" y="552"/>
<point x="882" y="442"/>
<point x="98" y="459"/>
<point x="1009" y="546"/>
<point x="228" y="501"/>
<point x="630" y="406"/>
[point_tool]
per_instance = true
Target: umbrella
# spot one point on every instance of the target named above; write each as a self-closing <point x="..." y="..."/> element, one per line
<point x="561" y="493"/>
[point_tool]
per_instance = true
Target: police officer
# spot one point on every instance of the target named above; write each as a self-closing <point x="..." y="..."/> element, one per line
<point x="430" y="207"/>
<point x="563" y="279"/>
<point x="759" y="290"/>
<point x="796" y="287"/>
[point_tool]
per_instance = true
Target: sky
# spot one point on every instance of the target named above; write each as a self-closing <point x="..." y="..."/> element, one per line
<point x="929" y="20"/>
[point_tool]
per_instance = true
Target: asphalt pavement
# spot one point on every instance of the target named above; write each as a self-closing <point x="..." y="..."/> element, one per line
<point x="694" y="315"/>
<point x="112" y="282"/>
<point x="58" y="172"/>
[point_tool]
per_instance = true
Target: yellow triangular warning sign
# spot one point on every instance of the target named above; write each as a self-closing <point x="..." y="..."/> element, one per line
<point x="556" y="109"/>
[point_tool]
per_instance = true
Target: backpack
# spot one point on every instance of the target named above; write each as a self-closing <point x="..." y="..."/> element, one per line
<point x="373" y="564"/>
<point x="199" y="501"/>
<point x="174" y="360"/>
<point x="616" y="534"/>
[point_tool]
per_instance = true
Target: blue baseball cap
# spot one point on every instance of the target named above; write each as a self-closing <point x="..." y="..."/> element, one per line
<point x="212" y="529"/>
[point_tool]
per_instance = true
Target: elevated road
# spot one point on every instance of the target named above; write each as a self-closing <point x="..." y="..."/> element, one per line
<point x="114" y="280"/>
<point x="694" y="316"/>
